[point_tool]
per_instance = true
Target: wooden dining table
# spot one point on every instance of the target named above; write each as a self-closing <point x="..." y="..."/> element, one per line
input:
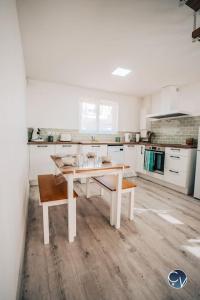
<point x="89" y="168"/>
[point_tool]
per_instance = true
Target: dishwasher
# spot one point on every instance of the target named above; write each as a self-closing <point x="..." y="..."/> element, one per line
<point x="116" y="152"/>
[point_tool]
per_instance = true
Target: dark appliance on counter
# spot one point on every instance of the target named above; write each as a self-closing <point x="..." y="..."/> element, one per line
<point x="30" y="134"/>
<point x="146" y="135"/>
<point x="154" y="159"/>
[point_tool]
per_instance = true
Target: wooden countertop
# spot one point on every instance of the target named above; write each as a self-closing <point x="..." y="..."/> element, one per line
<point x="113" y="143"/>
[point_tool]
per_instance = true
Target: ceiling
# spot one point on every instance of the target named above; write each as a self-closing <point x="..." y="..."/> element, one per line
<point x="81" y="42"/>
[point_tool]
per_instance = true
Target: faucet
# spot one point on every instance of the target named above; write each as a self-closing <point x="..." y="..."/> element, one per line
<point x="93" y="138"/>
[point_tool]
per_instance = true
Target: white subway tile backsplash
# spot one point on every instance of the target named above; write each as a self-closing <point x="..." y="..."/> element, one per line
<point x="175" y="130"/>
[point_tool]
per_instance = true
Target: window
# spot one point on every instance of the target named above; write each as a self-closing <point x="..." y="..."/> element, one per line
<point x="100" y="117"/>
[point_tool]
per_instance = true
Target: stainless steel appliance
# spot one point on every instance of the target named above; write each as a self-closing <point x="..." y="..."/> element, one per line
<point x="154" y="159"/>
<point x="197" y="176"/>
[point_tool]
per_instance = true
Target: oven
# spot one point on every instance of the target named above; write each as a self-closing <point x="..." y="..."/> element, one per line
<point x="154" y="159"/>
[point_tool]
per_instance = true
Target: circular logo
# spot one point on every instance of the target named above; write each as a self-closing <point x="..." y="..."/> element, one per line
<point x="177" y="279"/>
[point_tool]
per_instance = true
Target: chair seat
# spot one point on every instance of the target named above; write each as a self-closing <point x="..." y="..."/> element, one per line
<point x="110" y="182"/>
<point x="50" y="190"/>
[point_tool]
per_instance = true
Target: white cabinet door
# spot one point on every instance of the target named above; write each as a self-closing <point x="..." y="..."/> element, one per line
<point x="67" y="149"/>
<point x="99" y="150"/>
<point x="130" y="159"/>
<point x="40" y="161"/>
<point x="177" y="177"/>
<point x="176" y="166"/>
<point x="139" y="164"/>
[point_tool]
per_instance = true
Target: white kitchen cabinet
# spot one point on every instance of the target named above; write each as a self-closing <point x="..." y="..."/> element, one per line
<point x="99" y="150"/>
<point x="130" y="159"/>
<point x="139" y="156"/>
<point x="40" y="161"/>
<point x="67" y="149"/>
<point x="180" y="167"/>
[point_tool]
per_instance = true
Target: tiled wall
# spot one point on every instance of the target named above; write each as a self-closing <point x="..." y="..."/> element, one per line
<point x="77" y="136"/>
<point x="175" y="131"/>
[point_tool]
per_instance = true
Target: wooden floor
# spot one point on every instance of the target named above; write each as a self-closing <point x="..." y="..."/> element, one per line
<point x="104" y="263"/>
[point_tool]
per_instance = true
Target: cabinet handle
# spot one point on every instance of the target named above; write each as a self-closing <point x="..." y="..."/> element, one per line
<point x="175" y="149"/>
<point x="66" y="145"/>
<point x="42" y="146"/>
<point x="141" y="150"/>
<point x="172" y="156"/>
<point x="174" y="171"/>
<point x="131" y="146"/>
<point x="95" y="146"/>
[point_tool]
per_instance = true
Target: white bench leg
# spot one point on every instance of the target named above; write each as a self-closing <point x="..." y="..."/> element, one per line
<point x="71" y="210"/>
<point x="112" y="208"/>
<point x="71" y="219"/>
<point x="131" y="205"/>
<point x="118" y="201"/>
<point x="101" y="192"/>
<point x="87" y="187"/>
<point x="45" y="223"/>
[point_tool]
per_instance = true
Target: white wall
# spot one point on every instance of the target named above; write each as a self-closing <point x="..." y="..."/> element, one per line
<point x="145" y="110"/>
<point x="190" y="98"/>
<point x="52" y="105"/>
<point x="13" y="151"/>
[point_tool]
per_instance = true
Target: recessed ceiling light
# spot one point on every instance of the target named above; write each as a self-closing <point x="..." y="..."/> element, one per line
<point x="121" y="72"/>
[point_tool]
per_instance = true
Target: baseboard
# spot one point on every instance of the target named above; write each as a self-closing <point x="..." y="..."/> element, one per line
<point x="20" y="275"/>
<point x="164" y="183"/>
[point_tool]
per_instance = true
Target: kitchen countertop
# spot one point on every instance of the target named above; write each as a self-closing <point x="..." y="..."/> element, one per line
<point x="113" y="143"/>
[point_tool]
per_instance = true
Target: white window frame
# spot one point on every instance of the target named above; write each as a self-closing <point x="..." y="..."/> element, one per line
<point x="98" y="103"/>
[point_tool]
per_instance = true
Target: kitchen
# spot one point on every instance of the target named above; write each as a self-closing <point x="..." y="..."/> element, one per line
<point x="86" y="114"/>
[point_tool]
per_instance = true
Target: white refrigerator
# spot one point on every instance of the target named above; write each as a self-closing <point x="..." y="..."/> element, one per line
<point x="197" y="175"/>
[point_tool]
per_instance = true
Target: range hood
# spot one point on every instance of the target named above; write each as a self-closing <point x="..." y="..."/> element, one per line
<point x="174" y="114"/>
<point x="167" y="104"/>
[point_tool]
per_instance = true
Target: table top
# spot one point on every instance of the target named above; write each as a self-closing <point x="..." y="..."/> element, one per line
<point x="91" y="165"/>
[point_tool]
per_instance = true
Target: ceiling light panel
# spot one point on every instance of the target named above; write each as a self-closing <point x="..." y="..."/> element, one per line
<point x="121" y="72"/>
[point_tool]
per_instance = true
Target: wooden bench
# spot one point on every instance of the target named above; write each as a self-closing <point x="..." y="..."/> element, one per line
<point x="109" y="183"/>
<point x="53" y="193"/>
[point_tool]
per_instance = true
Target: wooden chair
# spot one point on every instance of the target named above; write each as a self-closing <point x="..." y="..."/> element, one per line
<point x="52" y="193"/>
<point x="109" y="183"/>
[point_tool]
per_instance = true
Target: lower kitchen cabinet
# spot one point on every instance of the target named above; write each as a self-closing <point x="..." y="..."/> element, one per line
<point x="70" y="149"/>
<point x="139" y="157"/>
<point x="99" y="150"/>
<point x="40" y="161"/>
<point x="130" y="159"/>
<point x="180" y="167"/>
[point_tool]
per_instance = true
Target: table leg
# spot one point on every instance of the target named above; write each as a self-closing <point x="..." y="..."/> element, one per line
<point x="71" y="209"/>
<point x="87" y="187"/>
<point x="118" y="201"/>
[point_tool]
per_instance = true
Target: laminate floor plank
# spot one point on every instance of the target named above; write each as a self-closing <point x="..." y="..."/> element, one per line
<point x="105" y="263"/>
